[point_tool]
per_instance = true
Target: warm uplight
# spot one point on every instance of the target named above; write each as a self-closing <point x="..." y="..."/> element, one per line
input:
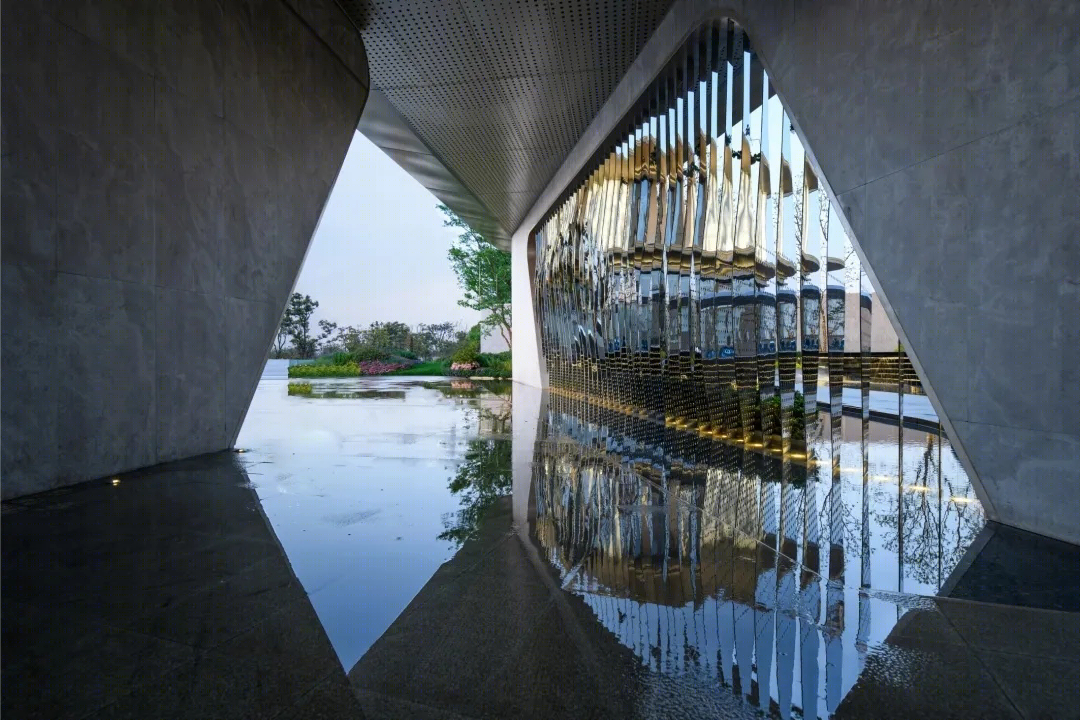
<point x="116" y="481"/>
<point x="961" y="500"/>
<point x="918" y="488"/>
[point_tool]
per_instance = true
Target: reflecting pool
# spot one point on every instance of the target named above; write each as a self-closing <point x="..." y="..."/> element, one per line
<point x="717" y="564"/>
<point x="370" y="485"/>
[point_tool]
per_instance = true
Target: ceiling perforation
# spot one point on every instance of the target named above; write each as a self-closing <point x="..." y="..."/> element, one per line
<point x="501" y="90"/>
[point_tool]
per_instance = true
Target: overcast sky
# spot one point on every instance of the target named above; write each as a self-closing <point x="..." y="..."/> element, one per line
<point x="380" y="250"/>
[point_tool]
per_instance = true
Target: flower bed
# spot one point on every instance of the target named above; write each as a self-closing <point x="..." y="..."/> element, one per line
<point x="318" y="370"/>
<point x="464" y="369"/>
<point x="365" y="367"/>
<point x="377" y="367"/>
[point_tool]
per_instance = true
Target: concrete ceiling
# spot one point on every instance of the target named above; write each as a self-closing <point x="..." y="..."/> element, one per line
<point x="482" y="100"/>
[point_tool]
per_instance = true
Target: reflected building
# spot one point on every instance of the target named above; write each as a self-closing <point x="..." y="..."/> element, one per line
<point x="731" y="568"/>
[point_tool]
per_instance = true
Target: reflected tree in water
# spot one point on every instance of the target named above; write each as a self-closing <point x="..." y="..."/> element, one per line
<point x="930" y="532"/>
<point x="482" y="478"/>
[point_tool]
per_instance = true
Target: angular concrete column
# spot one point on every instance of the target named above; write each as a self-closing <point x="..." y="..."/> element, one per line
<point x="949" y="137"/>
<point x="164" y="167"/>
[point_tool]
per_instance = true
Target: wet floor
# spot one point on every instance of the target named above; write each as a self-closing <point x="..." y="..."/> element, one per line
<point x="409" y="547"/>
<point x="778" y="579"/>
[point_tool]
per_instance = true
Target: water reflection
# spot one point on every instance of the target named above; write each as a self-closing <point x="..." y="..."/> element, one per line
<point x="370" y="484"/>
<point x="482" y="478"/>
<point x="722" y="564"/>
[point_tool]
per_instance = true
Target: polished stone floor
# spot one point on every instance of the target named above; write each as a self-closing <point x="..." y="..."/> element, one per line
<point x="584" y="565"/>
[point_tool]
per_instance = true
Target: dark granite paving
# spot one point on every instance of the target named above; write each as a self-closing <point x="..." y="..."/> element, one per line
<point x="493" y="635"/>
<point x="163" y="595"/>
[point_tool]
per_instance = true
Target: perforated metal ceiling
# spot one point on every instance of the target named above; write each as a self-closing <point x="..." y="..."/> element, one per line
<point x="498" y="91"/>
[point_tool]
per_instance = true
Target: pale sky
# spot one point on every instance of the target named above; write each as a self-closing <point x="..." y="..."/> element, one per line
<point x="379" y="252"/>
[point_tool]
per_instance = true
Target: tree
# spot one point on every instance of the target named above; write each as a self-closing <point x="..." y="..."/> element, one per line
<point x="483" y="477"/>
<point x="483" y="272"/>
<point x="328" y="330"/>
<point x="435" y="340"/>
<point x="298" y="319"/>
<point x="388" y="336"/>
<point x="282" y="334"/>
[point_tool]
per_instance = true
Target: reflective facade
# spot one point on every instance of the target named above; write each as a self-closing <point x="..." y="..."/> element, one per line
<point x="727" y="473"/>
<point x="699" y="275"/>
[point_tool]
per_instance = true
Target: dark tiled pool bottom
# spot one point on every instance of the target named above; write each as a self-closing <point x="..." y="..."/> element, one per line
<point x="1014" y="567"/>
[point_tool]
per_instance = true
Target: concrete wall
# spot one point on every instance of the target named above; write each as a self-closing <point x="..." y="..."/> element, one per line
<point x="164" y="168"/>
<point x="947" y="132"/>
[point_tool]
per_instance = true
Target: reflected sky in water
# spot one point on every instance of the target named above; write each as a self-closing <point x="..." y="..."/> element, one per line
<point x="357" y="489"/>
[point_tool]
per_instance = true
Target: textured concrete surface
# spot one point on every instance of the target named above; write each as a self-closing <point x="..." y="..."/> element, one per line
<point x="948" y="135"/>
<point x="164" y="168"/>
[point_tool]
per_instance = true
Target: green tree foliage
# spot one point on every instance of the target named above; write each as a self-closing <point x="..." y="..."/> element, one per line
<point x="296" y="324"/>
<point x="483" y="272"/>
<point x="387" y="336"/>
<point x="282" y="336"/>
<point x="435" y="340"/>
<point x="325" y="342"/>
<point x="379" y="341"/>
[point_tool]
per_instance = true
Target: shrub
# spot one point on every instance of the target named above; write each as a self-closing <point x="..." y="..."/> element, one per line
<point x="407" y="354"/>
<point x="377" y="367"/>
<point x="435" y="367"/>
<point x="299" y="388"/>
<point x="366" y="352"/>
<point x="464" y="369"/>
<point x="487" y="359"/>
<point x="495" y="364"/>
<point x="307" y="371"/>
<point x="466" y="355"/>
